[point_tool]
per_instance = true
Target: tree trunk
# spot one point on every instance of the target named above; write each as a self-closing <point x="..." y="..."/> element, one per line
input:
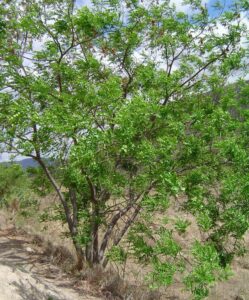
<point x="72" y="223"/>
<point x="95" y="235"/>
<point x="92" y="249"/>
<point x="80" y="256"/>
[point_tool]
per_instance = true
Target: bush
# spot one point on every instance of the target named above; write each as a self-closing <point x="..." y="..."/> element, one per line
<point x="15" y="188"/>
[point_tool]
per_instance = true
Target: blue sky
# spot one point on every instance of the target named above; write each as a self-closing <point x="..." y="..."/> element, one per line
<point x="225" y="3"/>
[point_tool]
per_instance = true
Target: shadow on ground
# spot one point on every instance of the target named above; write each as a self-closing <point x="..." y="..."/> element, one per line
<point x="26" y="274"/>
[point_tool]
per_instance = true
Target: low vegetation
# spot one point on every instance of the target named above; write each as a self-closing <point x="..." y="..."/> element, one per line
<point x="16" y="192"/>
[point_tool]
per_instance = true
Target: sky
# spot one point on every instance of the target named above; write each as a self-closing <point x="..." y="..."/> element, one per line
<point x="79" y="3"/>
<point x="209" y="3"/>
<point x="83" y="2"/>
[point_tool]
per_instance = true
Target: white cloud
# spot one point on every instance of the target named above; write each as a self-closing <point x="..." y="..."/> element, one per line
<point x="185" y="8"/>
<point x="4" y="157"/>
<point x="80" y="3"/>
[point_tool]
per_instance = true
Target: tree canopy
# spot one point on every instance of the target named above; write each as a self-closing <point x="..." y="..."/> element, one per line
<point x="131" y="99"/>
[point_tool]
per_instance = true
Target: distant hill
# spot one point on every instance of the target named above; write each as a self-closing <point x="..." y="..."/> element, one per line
<point x="25" y="163"/>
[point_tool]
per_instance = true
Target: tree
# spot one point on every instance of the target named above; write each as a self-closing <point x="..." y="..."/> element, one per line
<point x="129" y="99"/>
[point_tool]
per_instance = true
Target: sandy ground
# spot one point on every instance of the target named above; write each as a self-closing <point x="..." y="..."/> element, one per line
<point x="26" y="274"/>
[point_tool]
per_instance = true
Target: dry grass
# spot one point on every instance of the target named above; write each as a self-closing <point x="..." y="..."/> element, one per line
<point x="109" y="284"/>
<point x="113" y="287"/>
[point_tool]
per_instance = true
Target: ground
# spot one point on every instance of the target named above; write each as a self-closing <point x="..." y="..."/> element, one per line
<point x="26" y="274"/>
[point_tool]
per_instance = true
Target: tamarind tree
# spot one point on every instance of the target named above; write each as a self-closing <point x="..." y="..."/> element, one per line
<point x="130" y="99"/>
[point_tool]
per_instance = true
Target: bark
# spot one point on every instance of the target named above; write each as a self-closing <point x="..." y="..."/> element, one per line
<point x="72" y="222"/>
<point x="78" y="248"/>
<point x="109" y="230"/>
<point x="127" y="226"/>
<point x="95" y="236"/>
<point x="93" y="250"/>
<point x="123" y="231"/>
<point x="59" y="193"/>
<point x="80" y="256"/>
<point x="115" y="220"/>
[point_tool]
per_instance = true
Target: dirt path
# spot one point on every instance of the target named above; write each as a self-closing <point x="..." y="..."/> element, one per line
<point x="26" y="274"/>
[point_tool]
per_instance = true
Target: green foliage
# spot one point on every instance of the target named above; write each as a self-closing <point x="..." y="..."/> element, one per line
<point x="10" y="177"/>
<point x="162" y="275"/>
<point x="54" y="212"/>
<point x="117" y="254"/>
<point x="141" y="250"/>
<point x="181" y="225"/>
<point x="133" y="102"/>
<point x="39" y="181"/>
<point x="166" y="244"/>
<point x="206" y="271"/>
<point x="15" y="188"/>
